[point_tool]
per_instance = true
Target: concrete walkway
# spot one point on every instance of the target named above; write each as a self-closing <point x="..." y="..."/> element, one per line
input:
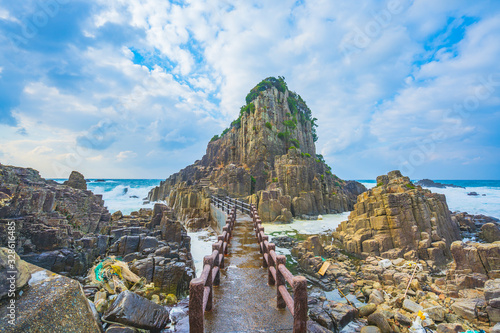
<point x="244" y="302"/>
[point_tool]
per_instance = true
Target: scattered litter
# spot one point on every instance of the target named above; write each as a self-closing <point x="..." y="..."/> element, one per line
<point x="385" y="263"/>
<point x="114" y="276"/>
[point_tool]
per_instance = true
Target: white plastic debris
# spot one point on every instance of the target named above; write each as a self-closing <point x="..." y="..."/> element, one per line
<point x="385" y="263"/>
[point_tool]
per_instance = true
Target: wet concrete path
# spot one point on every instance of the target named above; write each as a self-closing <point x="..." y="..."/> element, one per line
<point x="244" y="302"/>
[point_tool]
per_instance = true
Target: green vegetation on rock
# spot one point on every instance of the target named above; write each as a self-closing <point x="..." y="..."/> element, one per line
<point x="269" y="125"/>
<point x="279" y="83"/>
<point x="295" y="143"/>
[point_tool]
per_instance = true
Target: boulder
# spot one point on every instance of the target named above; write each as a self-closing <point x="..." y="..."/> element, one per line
<point x="313" y="244"/>
<point x="493" y="314"/>
<point x="492" y="289"/>
<point x="475" y="258"/>
<point x="133" y="310"/>
<point x="314" y="327"/>
<point x="76" y="180"/>
<point x="370" y="329"/>
<point x="341" y="313"/>
<point x="490" y="232"/>
<point x="380" y="321"/>
<point x="465" y="308"/>
<point x="53" y="303"/>
<point x="14" y="272"/>
<point x="114" y="328"/>
<point x="367" y="309"/>
<point x="411" y="306"/>
<point x="450" y="328"/>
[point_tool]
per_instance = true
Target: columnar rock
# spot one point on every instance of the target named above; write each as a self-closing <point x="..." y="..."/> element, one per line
<point x="267" y="156"/>
<point x="395" y="218"/>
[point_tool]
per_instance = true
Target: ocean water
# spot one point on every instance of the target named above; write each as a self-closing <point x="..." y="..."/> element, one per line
<point x="125" y="195"/>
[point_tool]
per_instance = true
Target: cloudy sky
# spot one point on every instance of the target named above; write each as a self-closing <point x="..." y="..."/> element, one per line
<point x="136" y="88"/>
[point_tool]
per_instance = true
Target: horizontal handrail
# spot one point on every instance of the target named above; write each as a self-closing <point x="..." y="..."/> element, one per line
<point x="201" y="289"/>
<point x="279" y="275"/>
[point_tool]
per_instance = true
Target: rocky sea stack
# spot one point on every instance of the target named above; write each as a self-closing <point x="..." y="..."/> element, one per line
<point x="268" y="157"/>
<point x="397" y="219"/>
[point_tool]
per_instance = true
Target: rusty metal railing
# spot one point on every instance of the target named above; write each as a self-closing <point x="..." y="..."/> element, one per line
<point x="278" y="274"/>
<point x="201" y="289"/>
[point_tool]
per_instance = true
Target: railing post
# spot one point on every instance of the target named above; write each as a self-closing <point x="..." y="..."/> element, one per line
<point x="215" y="247"/>
<point x="270" y="277"/>
<point x="208" y="260"/>
<point x="299" y="304"/>
<point x="264" y="250"/>
<point x="280" y="281"/>
<point x="196" y="311"/>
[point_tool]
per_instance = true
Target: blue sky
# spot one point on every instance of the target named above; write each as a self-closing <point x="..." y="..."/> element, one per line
<point x="135" y="89"/>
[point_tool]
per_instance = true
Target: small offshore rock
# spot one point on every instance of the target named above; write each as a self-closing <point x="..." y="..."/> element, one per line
<point x="76" y="180"/>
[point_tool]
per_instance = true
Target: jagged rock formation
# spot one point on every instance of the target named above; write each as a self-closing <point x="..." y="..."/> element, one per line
<point x="397" y="219"/>
<point x="53" y="222"/>
<point x="267" y="156"/>
<point x="157" y="248"/>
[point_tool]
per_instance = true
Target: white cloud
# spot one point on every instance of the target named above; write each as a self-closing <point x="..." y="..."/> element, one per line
<point x="123" y="155"/>
<point x="5" y="15"/>
<point x="392" y="92"/>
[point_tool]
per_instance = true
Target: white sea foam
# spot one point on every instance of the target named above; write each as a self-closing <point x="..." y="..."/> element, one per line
<point x="201" y="245"/>
<point x="458" y="200"/>
<point x="330" y="222"/>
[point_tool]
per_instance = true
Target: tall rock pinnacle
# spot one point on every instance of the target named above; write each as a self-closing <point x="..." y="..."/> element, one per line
<point x="267" y="156"/>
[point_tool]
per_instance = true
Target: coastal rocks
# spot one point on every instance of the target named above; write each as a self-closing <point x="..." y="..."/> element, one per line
<point x="431" y="183"/>
<point x="12" y="282"/>
<point x="52" y="303"/>
<point x="471" y="224"/>
<point x="161" y="256"/>
<point x="136" y="311"/>
<point x="55" y="225"/>
<point x="475" y="258"/>
<point x="492" y="298"/>
<point x="76" y="180"/>
<point x="397" y="218"/>
<point x="332" y="315"/>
